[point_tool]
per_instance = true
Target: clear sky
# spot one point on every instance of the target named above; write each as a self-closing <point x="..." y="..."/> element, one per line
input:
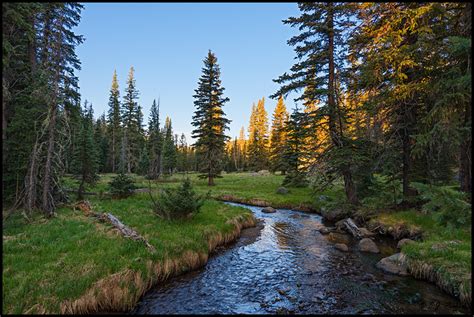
<point x="166" y="44"/>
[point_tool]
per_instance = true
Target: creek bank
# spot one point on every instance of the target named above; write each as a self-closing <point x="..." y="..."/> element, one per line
<point x="398" y="263"/>
<point x="372" y="227"/>
<point x="120" y="292"/>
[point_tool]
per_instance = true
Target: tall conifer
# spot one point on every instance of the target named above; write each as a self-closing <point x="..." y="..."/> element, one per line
<point x="209" y="120"/>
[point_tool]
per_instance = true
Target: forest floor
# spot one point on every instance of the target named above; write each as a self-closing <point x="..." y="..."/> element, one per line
<point x="72" y="263"/>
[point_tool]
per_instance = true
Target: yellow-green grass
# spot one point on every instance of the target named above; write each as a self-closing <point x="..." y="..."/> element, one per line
<point x="72" y="263"/>
<point x="238" y="187"/>
<point x="443" y="255"/>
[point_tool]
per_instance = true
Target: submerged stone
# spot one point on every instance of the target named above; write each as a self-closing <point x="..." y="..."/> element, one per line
<point x="367" y="245"/>
<point x="268" y="209"/>
<point x="341" y="247"/>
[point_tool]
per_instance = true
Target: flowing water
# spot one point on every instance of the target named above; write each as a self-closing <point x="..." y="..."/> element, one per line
<point x="286" y="266"/>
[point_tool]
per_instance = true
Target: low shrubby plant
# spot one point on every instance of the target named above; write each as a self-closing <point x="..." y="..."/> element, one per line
<point x="121" y="186"/>
<point x="448" y="205"/>
<point x="178" y="203"/>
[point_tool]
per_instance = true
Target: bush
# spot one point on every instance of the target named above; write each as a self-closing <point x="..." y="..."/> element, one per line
<point x="121" y="186"/>
<point x="176" y="203"/>
<point x="448" y="205"/>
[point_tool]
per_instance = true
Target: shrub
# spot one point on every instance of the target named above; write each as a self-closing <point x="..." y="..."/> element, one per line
<point x="121" y="186"/>
<point x="176" y="203"/>
<point x="448" y="205"/>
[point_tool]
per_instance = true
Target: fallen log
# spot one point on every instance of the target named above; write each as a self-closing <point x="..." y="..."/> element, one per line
<point x="352" y="228"/>
<point x="126" y="231"/>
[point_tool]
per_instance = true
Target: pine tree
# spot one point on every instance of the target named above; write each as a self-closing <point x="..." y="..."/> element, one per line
<point x="144" y="161"/>
<point x="258" y="137"/>
<point x="278" y="137"/>
<point x="320" y="49"/>
<point x="155" y="140"/>
<point x="182" y="154"/>
<point x="209" y="120"/>
<point x="292" y="155"/>
<point x="85" y="164"/>
<point x="131" y="117"/>
<point x="114" y="124"/>
<point x="242" y="144"/>
<point x="102" y="142"/>
<point x="168" y="160"/>
<point x="57" y="61"/>
<point x="21" y="107"/>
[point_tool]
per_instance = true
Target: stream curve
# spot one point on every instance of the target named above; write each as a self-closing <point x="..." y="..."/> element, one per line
<point x="286" y="266"/>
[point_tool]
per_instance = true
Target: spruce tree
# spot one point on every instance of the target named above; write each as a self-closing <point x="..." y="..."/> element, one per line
<point x="85" y="164"/>
<point x="102" y="142"/>
<point x="144" y="161"/>
<point x="209" y="120"/>
<point x="278" y="137"/>
<point x="258" y="137"/>
<point x="320" y="48"/>
<point x="131" y="117"/>
<point x="57" y="61"/>
<point x="293" y="155"/>
<point x="155" y="143"/>
<point x="168" y="159"/>
<point x="182" y="154"/>
<point x="114" y="124"/>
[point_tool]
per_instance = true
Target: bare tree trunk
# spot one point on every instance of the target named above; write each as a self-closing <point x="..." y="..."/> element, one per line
<point x="47" y="203"/>
<point x="47" y="195"/>
<point x="30" y="180"/>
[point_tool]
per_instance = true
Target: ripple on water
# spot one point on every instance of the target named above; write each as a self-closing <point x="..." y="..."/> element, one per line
<point x="292" y="268"/>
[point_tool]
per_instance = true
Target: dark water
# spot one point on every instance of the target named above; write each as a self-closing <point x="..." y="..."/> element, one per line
<point x="289" y="267"/>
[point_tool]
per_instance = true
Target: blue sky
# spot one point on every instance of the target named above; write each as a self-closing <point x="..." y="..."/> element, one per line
<point x="166" y="44"/>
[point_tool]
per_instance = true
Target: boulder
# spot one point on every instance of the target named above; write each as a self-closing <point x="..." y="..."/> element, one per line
<point x="367" y="245"/>
<point x="268" y="210"/>
<point x="282" y="191"/>
<point x="341" y="247"/>
<point x="263" y="172"/>
<point x="394" y="264"/>
<point x="403" y="242"/>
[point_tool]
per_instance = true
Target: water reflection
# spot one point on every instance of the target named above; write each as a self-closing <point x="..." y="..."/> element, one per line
<point x="292" y="268"/>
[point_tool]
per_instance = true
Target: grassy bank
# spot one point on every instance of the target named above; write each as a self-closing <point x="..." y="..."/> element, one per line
<point x="74" y="264"/>
<point x="443" y="255"/>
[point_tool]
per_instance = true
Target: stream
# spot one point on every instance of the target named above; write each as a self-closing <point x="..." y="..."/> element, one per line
<point x="285" y="265"/>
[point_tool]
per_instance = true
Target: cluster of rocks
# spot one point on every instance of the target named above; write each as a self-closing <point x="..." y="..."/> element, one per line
<point x="394" y="264"/>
